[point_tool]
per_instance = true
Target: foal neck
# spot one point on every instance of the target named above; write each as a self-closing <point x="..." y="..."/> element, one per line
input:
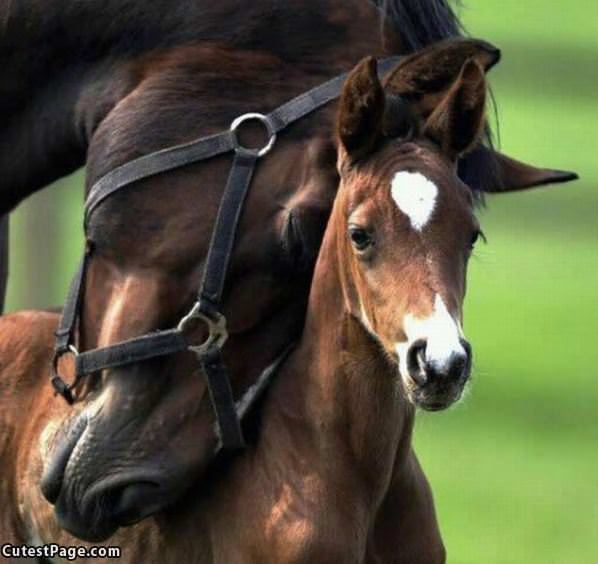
<point x="349" y="388"/>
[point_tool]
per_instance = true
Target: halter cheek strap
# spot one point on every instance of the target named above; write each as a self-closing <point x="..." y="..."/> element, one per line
<point x="207" y="307"/>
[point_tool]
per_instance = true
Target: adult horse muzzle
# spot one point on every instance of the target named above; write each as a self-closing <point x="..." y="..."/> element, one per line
<point x="110" y="504"/>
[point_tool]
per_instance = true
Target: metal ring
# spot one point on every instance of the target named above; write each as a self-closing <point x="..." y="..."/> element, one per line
<point x="59" y="385"/>
<point x="70" y="350"/>
<point x="266" y="122"/>
<point x="218" y="333"/>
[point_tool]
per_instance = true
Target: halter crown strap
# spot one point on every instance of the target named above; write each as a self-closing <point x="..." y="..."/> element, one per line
<point x="207" y="308"/>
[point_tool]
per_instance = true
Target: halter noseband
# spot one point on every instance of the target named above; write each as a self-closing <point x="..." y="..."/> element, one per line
<point x="207" y="307"/>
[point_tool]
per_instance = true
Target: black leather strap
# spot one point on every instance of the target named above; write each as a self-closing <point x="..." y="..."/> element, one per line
<point x="65" y="333"/>
<point x="156" y="163"/>
<point x="256" y="391"/>
<point x="142" y="348"/>
<point x="66" y="328"/>
<point x="221" y="395"/>
<point x="224" y="233"/>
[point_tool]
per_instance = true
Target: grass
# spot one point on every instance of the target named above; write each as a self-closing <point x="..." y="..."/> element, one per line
<point x="514" y="468"/>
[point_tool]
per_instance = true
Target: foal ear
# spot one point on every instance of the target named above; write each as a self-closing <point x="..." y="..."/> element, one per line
<point x="458" y="121"/>
<point x="361" y="111"/>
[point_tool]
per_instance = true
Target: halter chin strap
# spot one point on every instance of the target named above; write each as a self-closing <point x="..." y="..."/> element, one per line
<point x="207" y="307"/>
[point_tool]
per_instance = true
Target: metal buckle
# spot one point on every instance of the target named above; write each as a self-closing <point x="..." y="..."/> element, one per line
<point x="266" y="122"/>
<point x="216" y="326"/>
<point x="59" y="385"/>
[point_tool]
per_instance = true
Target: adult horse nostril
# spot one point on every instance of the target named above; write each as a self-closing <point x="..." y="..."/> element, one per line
<point x="416" y="362"/>
<point x="117" y="501"/>
<point x="133" y="502"/>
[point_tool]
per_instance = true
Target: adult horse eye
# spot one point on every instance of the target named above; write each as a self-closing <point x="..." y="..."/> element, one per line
<point x="360" y="238"/>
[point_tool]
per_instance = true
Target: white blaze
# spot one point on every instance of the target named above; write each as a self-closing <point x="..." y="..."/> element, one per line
<point x="441" y="332"/>
<point x="415" y="195"/>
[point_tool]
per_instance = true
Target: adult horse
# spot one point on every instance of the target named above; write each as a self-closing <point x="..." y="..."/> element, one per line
<point x="152" y="418"/>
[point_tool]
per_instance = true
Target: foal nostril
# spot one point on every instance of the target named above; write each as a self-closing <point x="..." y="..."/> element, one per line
<point x="416" y="362"/>
<point x="460" y="366"/>
<point x="425" y="371"/>
<point x="467" y="347"/>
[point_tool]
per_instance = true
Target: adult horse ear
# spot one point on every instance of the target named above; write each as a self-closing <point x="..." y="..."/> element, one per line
<point x="487" y="170"/>
<point x="457" y="122"/>
<point x="361" y="111"/>
<point x="425" y="77"/>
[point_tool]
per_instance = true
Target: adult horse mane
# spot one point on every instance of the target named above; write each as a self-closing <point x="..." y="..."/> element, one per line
<point x="139" y="437"/>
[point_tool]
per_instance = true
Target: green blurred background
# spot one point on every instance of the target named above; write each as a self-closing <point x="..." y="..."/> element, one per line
<point x="514" y="468"/>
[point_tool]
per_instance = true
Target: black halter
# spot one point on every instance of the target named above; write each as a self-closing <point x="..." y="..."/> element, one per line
<point x="207" y="308"/>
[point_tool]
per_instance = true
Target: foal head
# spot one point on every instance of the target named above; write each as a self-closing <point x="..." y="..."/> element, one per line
<point x="408" y="226"/>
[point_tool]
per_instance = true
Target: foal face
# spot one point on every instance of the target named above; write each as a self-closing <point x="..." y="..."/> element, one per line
<point x="407" y="225"/>
<point x="409" y="230"/>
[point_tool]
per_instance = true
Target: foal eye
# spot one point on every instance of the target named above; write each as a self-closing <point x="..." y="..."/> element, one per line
<point x="360" y="238"/>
